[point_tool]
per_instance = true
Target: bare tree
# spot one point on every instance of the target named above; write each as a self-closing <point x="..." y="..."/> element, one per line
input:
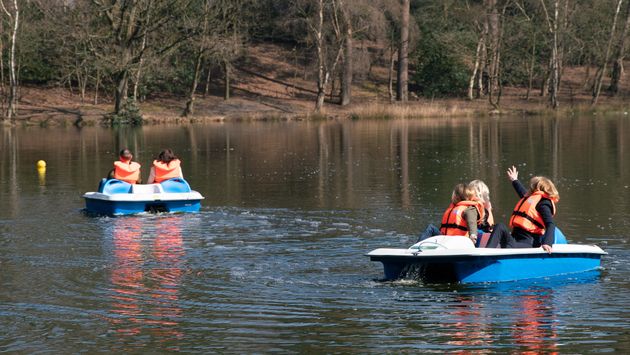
<point x="123" y="43"/>
<point x="329" y="43"/>
<point x="620" y="54"/>
<point x="13" y="14"/>
<point x="402" y="87"/>
<point x="554" y="59"/>
<point x="348" y="56"/>
<point x="600" y="77"/>
<point x="201" y="51"/>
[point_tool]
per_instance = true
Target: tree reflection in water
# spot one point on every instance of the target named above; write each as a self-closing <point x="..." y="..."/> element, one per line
<point x="146" y="274"/>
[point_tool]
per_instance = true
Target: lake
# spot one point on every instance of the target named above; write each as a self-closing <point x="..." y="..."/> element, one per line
<point x="274" y="262"/>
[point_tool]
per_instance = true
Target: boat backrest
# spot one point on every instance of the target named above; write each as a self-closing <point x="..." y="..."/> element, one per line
<point x="146" y="189"/>
<point x="559" y="237"/>
<point x="175" y="185"/>
<point x="113" y="187"/>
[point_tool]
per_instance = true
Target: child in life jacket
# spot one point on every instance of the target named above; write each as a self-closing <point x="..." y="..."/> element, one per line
<point x="465" y="213"/>
<point x="486" y="226"/>
<point x="532" y="220"/>
<point x="462" y="217"/>
<point x="125" y="169"/>
<point x="166" y="166"/>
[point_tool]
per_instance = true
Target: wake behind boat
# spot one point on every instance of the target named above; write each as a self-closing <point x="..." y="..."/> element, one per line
<point x="455" y="259"/>
<point x="116" y="197"/>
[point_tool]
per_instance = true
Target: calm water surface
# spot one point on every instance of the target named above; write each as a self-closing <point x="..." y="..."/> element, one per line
<point x="274" y="261"/>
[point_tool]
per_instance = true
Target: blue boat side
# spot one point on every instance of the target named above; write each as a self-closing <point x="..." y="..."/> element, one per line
<point x="471" y="269"/>
<point x="117" y="187"/>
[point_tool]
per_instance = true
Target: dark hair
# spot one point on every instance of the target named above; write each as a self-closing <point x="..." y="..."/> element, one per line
<point x="125" y="153"/>
<point x="166" y="156"/>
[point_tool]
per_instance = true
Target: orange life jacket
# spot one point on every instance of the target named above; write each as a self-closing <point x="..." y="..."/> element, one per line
<point x="127" y="171"/>
<point x="453" y="221"/>
<point x="165" y="171"/>
<point x="525" y="215"/>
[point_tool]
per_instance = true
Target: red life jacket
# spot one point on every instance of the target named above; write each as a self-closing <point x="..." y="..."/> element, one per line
<point x="525" y="215"/>
<point x="453" y="221"/>
<point x="127" y="171"/>
<point x="165" y="171"/>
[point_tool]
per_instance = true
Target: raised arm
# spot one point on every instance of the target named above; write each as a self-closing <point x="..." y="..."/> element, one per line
<point x="513" y="176"/>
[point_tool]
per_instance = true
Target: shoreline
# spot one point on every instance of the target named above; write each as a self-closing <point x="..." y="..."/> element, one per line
<point x="54" y="106"/>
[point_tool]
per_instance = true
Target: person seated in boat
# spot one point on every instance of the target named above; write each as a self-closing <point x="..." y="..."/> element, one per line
<point x="465" y="213"/>
<point x="532" y="220"/>
<point x="464" y="201"/>
<point x="125" y="169"/>
<point x="483" y="194"/>
<point x="485" y="227"/>
<point x="166" y="166"/>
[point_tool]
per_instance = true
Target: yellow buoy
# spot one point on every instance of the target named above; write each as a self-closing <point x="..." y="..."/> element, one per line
<point x="41" y="164"/>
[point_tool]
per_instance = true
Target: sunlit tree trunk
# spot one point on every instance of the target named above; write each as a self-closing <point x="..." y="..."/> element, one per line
<point x="600" y="77"/>
<point x="617" y="69"/>
<point x="322" y="74"/>
<point x="189" y="110"/>
<point x="476" y="71"/>
<point x="494" y="52"/>
<point x="13" y="83"/>
<point x="346" y="76"/>
<point x="402" y="87"/>
<point x="206" y="90"/>
<point x="390" y="85"/>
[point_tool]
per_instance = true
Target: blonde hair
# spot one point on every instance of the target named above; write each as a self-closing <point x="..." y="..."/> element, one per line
<point x="463" y="192"/>
<point x="483" y="192"/>
<point x="541" y="183"/>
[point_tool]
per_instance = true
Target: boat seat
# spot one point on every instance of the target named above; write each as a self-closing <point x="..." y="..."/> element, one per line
<point x="175" y="185"/>
<point x="146" y="189"/>
<point x="114" y="186"/>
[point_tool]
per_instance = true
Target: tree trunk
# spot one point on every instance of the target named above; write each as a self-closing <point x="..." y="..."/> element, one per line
<point x="13" y="83"/>
<point x="2" y="87"/>
<point x="121" y="95"/>
<point x="617" y="69"/>
<point x="322" y="78"/>
<point x="554" y="83"/>
<point x="390" y="86"/>
<point x="493" y="25"/>
<point x="206" y="90"/>
<point x="188" y="111"/>
<point x="471" y="83"/>
<point x="346" y="76"/>
<point x="348" y="56"/>
<point x="226" y="72"/>
<point x="530" y="74"/>
<point x="96" y="85"/>
<point x="402" y="87"/>
<point x="600" y="78"/>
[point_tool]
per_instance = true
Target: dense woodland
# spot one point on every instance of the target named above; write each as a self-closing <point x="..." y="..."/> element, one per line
<point x="130" y="50"/>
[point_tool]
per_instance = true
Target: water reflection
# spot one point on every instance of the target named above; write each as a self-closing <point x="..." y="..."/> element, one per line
<point x="470" y="325"/>
<point x="146" y="276"/>
<point x="534" y="331"/>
